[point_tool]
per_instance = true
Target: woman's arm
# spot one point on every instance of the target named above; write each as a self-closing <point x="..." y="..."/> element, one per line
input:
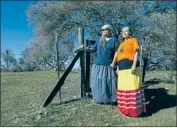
<point x="114" y="61"/>
<point x="117" y="71"/>
<point x="88" y="49"/>
<point x="92" y="50"/>
<point x="133" y="69"/>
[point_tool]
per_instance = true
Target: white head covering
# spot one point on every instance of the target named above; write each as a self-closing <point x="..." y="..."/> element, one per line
<point x="106" y="26"/>
<point x="103" y="39"/>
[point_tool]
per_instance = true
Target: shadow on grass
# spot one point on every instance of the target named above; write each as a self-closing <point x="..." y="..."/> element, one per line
<point x="66" y="102"/>
<point x="112" y="104"/>
<point x="156" y="81"/>
<point x="159" y="99"/>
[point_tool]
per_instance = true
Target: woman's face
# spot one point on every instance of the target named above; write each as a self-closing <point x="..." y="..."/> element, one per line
<point x="106" y="32"/>
<point x="125" y="33"/>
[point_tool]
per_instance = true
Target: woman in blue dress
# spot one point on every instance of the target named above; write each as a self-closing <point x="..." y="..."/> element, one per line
<point x="103" y="77"/>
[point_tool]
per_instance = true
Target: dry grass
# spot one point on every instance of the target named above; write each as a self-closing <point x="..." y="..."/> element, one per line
<point x="22" y="95"/>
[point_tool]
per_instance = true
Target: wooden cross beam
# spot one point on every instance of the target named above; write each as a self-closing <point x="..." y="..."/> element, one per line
<point x="61" y="81"/>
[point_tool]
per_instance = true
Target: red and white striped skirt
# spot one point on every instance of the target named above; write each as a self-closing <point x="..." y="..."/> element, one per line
<point x="130" y="95"/>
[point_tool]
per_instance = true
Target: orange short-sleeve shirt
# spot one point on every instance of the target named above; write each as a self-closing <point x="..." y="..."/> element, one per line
<point x="127" y="49"/>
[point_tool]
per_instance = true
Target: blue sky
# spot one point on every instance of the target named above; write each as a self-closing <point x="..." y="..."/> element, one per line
<point x="15" y="31"/>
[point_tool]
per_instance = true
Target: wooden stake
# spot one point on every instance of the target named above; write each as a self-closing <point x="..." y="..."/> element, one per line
<point x="82" y="62"/>
<point x="58" y="67"/>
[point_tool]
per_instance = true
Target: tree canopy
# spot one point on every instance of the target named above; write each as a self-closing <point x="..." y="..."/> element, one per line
<point x="152" y="22"/>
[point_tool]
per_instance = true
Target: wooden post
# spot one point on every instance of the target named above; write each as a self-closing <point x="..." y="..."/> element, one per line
<point x="145" y="61"/>
<point x="82" y="62"/>
<point x="7" y="54"/>
<point x="58" y="67"/>
<point x="88" y="68"/>
<point x="141" y="55"/>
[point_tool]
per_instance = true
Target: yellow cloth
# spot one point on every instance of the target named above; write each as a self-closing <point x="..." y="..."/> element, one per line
<point x="128" y="81"/>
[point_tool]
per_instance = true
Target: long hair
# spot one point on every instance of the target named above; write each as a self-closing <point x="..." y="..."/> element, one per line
<point x="103" y="39"/>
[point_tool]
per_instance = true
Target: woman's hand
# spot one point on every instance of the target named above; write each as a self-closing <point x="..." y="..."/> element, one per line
<point x="83" y="46"/>
<point x="133" y="69"/>
<point x="112" y="65"/>
<point x="117" y="71"/>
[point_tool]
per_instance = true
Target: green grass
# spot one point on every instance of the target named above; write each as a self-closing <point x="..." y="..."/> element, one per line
<point x="22" y="95"/>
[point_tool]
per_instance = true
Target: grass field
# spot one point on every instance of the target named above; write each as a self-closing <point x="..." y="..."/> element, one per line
<point x="22" y="95"/>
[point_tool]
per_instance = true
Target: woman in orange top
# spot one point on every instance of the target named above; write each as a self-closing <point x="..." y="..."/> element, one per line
<point x="130" y="95"/>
